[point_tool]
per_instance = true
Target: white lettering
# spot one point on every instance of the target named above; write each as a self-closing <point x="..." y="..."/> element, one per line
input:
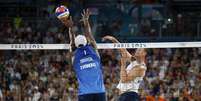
<point x="88" y="59"/>
<point x="90" y="65"/>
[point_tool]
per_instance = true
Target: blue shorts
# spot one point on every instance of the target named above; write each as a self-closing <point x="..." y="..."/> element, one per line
<point x="129" y="96"/>
<point x="92" y="97"/>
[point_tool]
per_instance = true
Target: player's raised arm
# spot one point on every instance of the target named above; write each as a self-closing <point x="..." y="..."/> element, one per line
<point x="71" y="35"/>
<point x="87" y="28"/>
<point x="68" y="22"/>
<point x="72" y="43"/>
<point x="124" y="52"/>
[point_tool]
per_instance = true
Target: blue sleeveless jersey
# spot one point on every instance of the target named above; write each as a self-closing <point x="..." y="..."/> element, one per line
<point x="88" y="68"/>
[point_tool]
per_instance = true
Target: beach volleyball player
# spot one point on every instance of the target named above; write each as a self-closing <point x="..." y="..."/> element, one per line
<point x="132" y="76"/>
<point x="86" y="62"/>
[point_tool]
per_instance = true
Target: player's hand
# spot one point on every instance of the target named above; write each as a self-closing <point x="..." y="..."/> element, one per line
<point x="85" y="16"/>
<point x="108" y="37"/>
<point x="67" y="22"/>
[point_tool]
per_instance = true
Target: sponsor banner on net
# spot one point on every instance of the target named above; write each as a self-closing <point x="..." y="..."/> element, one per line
<point x="130" y="45"/>
<point x="27" y="46"/>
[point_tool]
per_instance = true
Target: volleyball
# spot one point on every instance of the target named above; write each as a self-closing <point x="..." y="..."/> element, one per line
<point x="62" y="12"/>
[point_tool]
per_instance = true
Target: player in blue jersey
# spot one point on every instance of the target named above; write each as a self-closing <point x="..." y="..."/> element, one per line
<point x="86" y="62"/>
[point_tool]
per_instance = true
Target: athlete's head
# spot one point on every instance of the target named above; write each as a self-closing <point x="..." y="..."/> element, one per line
<point x="140" y="53"/>
<point x="80" y="40"/>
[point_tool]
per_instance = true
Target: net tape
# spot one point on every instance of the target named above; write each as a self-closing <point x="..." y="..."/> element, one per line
<point x="101" y="46"/>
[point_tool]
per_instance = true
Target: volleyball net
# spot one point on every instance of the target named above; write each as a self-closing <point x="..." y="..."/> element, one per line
<point x="101" y="46"/>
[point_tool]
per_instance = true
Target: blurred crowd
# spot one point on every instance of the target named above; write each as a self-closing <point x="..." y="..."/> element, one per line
<point x="115" y="17"/>
<point x="173" y="75"/>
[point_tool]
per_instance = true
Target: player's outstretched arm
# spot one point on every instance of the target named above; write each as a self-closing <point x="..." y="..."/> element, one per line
<point x="72" y="42"/>
<point x="123" y="73"/>
<point x="124" y="52"/>
<point x="68" y="22"/>
<point x="87" y="28"/>
<point x="71" y="35"/>
<point x="72" y="39"/>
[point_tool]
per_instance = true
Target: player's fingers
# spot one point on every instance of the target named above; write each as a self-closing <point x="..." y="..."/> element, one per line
<point x="103" y="39"/>
<point x="81" y="20"/>
<point x="108" y="37"/>
<point x="62" y="20"/>
<point x="82" y="15"/>
<point x="71" y="18"/>
<point x="84" y="11"/>
<point x="65" y="18"/>
<point x="105" y="36"/>
<point x="88" y="13"/>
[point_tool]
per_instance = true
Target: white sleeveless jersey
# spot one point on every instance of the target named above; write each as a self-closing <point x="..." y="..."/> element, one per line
<point x="135" y="84"/>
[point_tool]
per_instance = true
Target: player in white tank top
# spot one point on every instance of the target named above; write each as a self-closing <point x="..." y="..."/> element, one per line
<point x="135" y="83"/>
<point x="132" y="76"/>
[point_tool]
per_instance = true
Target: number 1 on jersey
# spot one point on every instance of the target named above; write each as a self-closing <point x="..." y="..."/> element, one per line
<point x="85" y="53"/>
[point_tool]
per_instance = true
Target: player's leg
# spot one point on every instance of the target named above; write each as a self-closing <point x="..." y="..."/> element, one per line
<point x="129" y="96"/>
<point x="100" y="97"/>
<point x="86" y="97"/>
<point x="123" y="97"/>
